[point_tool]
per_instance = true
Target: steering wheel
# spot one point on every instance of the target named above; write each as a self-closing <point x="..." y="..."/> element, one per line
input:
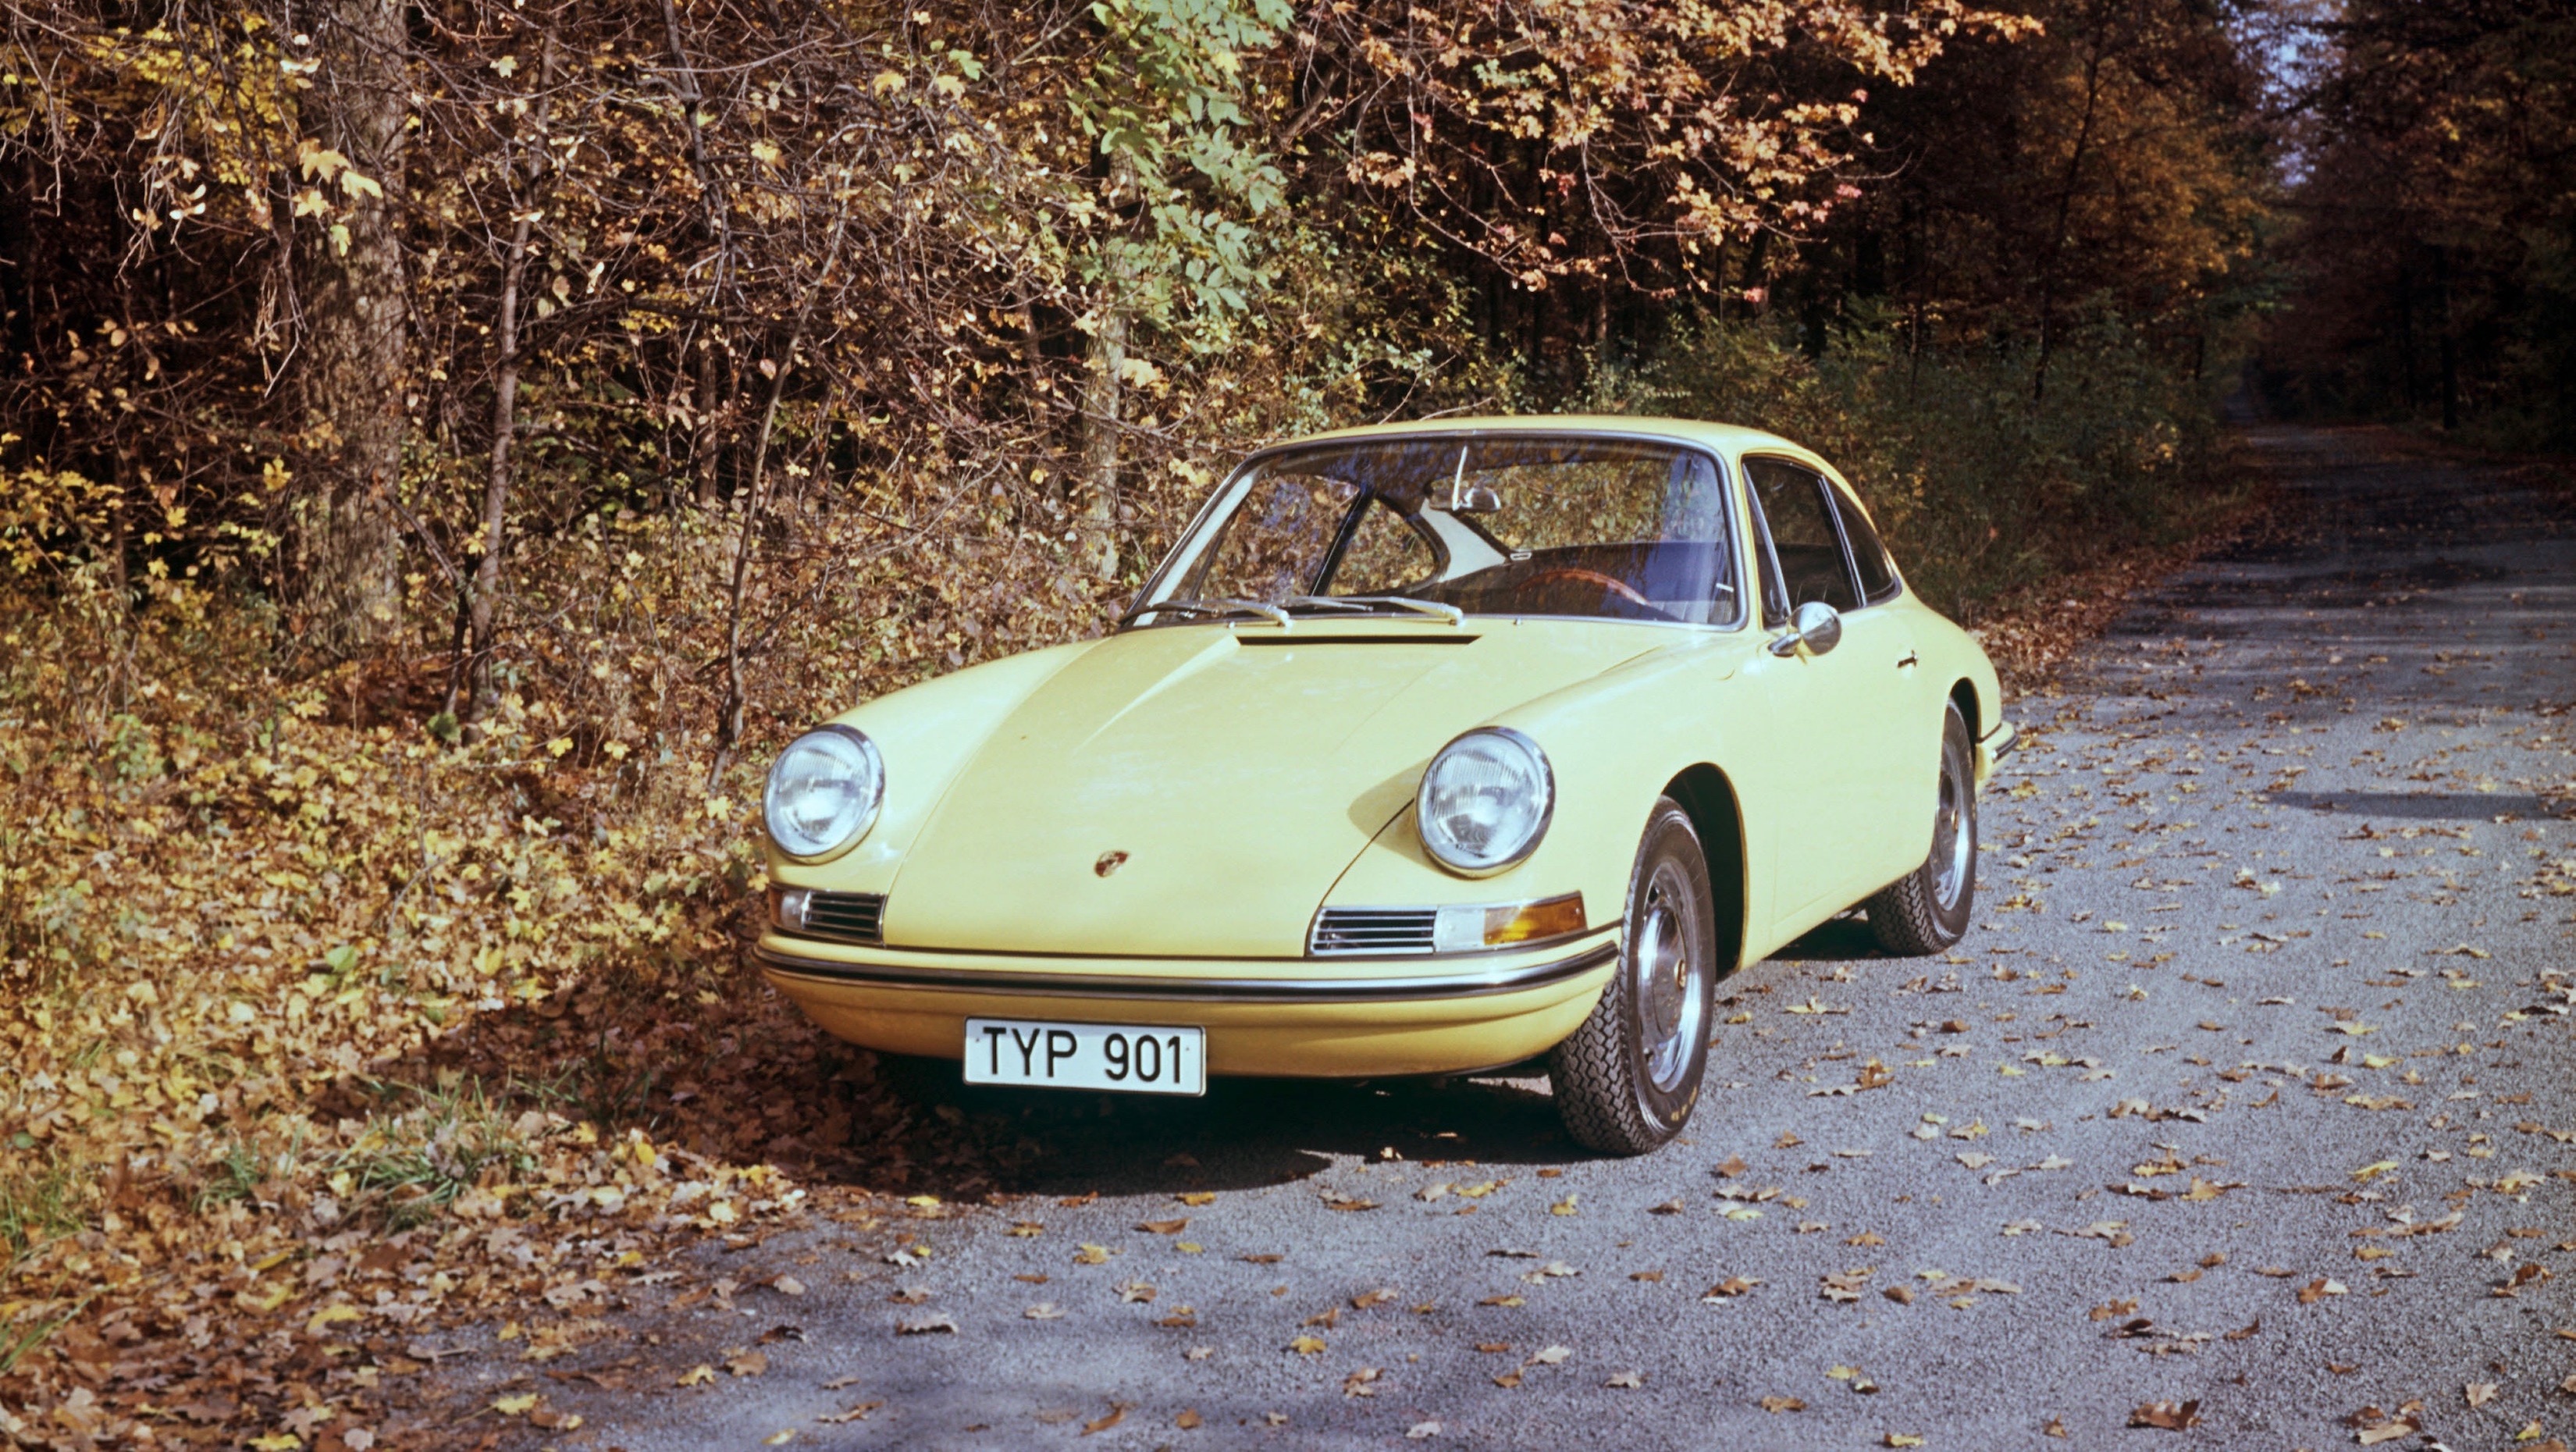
<point x="1591" y="577"/>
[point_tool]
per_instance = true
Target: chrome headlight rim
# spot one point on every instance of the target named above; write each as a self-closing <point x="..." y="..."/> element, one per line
<point x="866" y="819"/>
<point x="1422" y="817"/>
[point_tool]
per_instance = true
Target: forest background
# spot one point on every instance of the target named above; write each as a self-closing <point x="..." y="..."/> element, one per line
<point x="445" y="445"/>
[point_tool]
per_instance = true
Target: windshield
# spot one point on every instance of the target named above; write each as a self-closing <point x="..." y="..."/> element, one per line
<point x="1513" y="525"/>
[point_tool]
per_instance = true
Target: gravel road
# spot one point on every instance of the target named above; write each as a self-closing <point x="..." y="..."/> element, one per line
<point x="2248" y="1089"/>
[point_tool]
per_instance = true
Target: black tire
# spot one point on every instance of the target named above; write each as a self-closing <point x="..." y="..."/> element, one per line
<point x="1927" y="909"/>
<point x="1627" y="1080"/>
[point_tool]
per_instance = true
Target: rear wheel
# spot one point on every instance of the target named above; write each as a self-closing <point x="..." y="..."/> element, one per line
<point x="1927" y="909"/>
<point x="1626" y="1081"/>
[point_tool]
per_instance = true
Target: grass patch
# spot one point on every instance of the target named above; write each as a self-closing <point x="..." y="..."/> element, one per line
<point x="418" y="1159"/>
<point x="41" y="1204"/>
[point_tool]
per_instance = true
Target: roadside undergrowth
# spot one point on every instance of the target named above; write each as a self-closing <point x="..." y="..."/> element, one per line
<point x="325" y="1033"/>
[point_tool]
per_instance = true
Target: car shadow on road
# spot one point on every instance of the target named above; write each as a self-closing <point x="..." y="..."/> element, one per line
<point x="1249" y="1132"/>
<point x="723" y="1067"/>
<point x="1846" y="939"/>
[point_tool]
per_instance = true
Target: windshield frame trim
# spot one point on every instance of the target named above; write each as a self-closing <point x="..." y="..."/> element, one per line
<point x="1730" y="479"/>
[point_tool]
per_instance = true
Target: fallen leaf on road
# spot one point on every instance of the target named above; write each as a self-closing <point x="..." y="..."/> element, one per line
<point x="696" y="1376"/>
<point x="1117" y="1413"/>
<point x="2371" y="1426"/>
<point x="1422" y="1431"/>
<point x="2317" y="1290"/>
<point x="1844" y="1287"/>
<point x="1164" y="1227"/>
<point x="2479" y="1393"/>
<point x="1549" y="1356"/>
<point x="1902" y="1439"/>
<point x="857" y="1413"/>
<point x="750" y="1363"/>
<point x="1626" y="1379"/>
<point x="1307" y="1345"/>
<point x="1777" y="1405"/>
<point x="1189" y="1420"/>
<point x="2170" y="1416"/>
<point x="1730" y="1287"/>
<point x="1044" y="1311"/>
<point x="925" y="1326"/>
<point x="2523" y="1275"/>
<point x="1361" y="1383"/>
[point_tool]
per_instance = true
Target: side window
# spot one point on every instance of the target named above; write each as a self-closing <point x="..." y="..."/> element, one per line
<point x="1869" y="555"/>
<point x="1803" y="536"/>
<point x="1385" y="556"/>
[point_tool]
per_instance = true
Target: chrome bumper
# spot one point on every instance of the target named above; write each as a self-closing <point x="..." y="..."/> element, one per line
<point x="1265" y="988"/>
<point x="1994" y="746"/>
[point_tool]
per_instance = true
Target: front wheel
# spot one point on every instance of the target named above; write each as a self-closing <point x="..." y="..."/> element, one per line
<point x="1927" y="909"/>
<point x="1626" y="1081"/>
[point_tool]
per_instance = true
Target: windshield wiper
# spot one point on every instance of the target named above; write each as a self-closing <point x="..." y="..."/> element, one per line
<point x="1223" y="607"/>
<point x="1450" y="613"/>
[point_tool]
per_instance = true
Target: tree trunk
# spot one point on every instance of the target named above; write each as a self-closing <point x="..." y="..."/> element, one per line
<point x="2450" y="342"/>
<point x="707" y="439"/>
<point x="714" y="408"/>
<point x="351" y="384"/>
<point x="1101" y="384"/>
<point x="729" y="716"/>
<point x="2065" y="211"/>
<point x="505" y="403"/>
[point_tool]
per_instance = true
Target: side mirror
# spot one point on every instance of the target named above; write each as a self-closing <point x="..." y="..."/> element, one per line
<point x="1816" y="627"/>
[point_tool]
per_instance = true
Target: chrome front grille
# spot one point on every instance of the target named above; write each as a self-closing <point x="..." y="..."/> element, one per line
<point x="839" y="917"/>
<point x="1373" y="930"/>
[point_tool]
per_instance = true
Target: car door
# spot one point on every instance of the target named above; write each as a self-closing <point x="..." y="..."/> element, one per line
<point x="1841" y="714"/>
<point x="1906" y="770"/>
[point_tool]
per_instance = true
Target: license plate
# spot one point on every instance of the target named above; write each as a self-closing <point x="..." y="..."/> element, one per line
<point x="1110" y="1056"/>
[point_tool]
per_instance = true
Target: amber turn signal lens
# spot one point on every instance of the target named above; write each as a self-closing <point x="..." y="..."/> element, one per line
<point x="1530" y="921"/>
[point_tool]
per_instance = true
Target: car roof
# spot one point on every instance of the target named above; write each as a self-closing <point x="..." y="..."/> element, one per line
<point x="1726" y="438"/>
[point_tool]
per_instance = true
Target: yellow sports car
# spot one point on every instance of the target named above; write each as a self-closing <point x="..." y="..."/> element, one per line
<point x="1430" y="748"/>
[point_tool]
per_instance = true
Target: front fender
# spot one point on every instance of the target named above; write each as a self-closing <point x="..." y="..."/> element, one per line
<point x="1615" y="743"/>
<point x="926" y="733"/>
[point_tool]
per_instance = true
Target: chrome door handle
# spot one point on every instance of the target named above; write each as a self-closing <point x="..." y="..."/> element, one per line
<point x="1911" y="660"/>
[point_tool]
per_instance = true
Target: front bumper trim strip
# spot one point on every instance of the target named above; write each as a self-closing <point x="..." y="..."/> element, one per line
<point x="1191" y="990"/>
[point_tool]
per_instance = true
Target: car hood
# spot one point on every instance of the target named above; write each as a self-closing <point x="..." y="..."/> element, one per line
<point x="1196" y="790"/>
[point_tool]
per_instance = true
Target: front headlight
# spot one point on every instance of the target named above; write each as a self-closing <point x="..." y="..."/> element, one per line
<point x="1486" y="801"/>
<point x="824" y="792"/>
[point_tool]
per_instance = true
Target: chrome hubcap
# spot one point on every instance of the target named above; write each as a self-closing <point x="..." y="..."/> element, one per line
<point x="1672" y="995"/>
<point x="1953" y="839"/>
